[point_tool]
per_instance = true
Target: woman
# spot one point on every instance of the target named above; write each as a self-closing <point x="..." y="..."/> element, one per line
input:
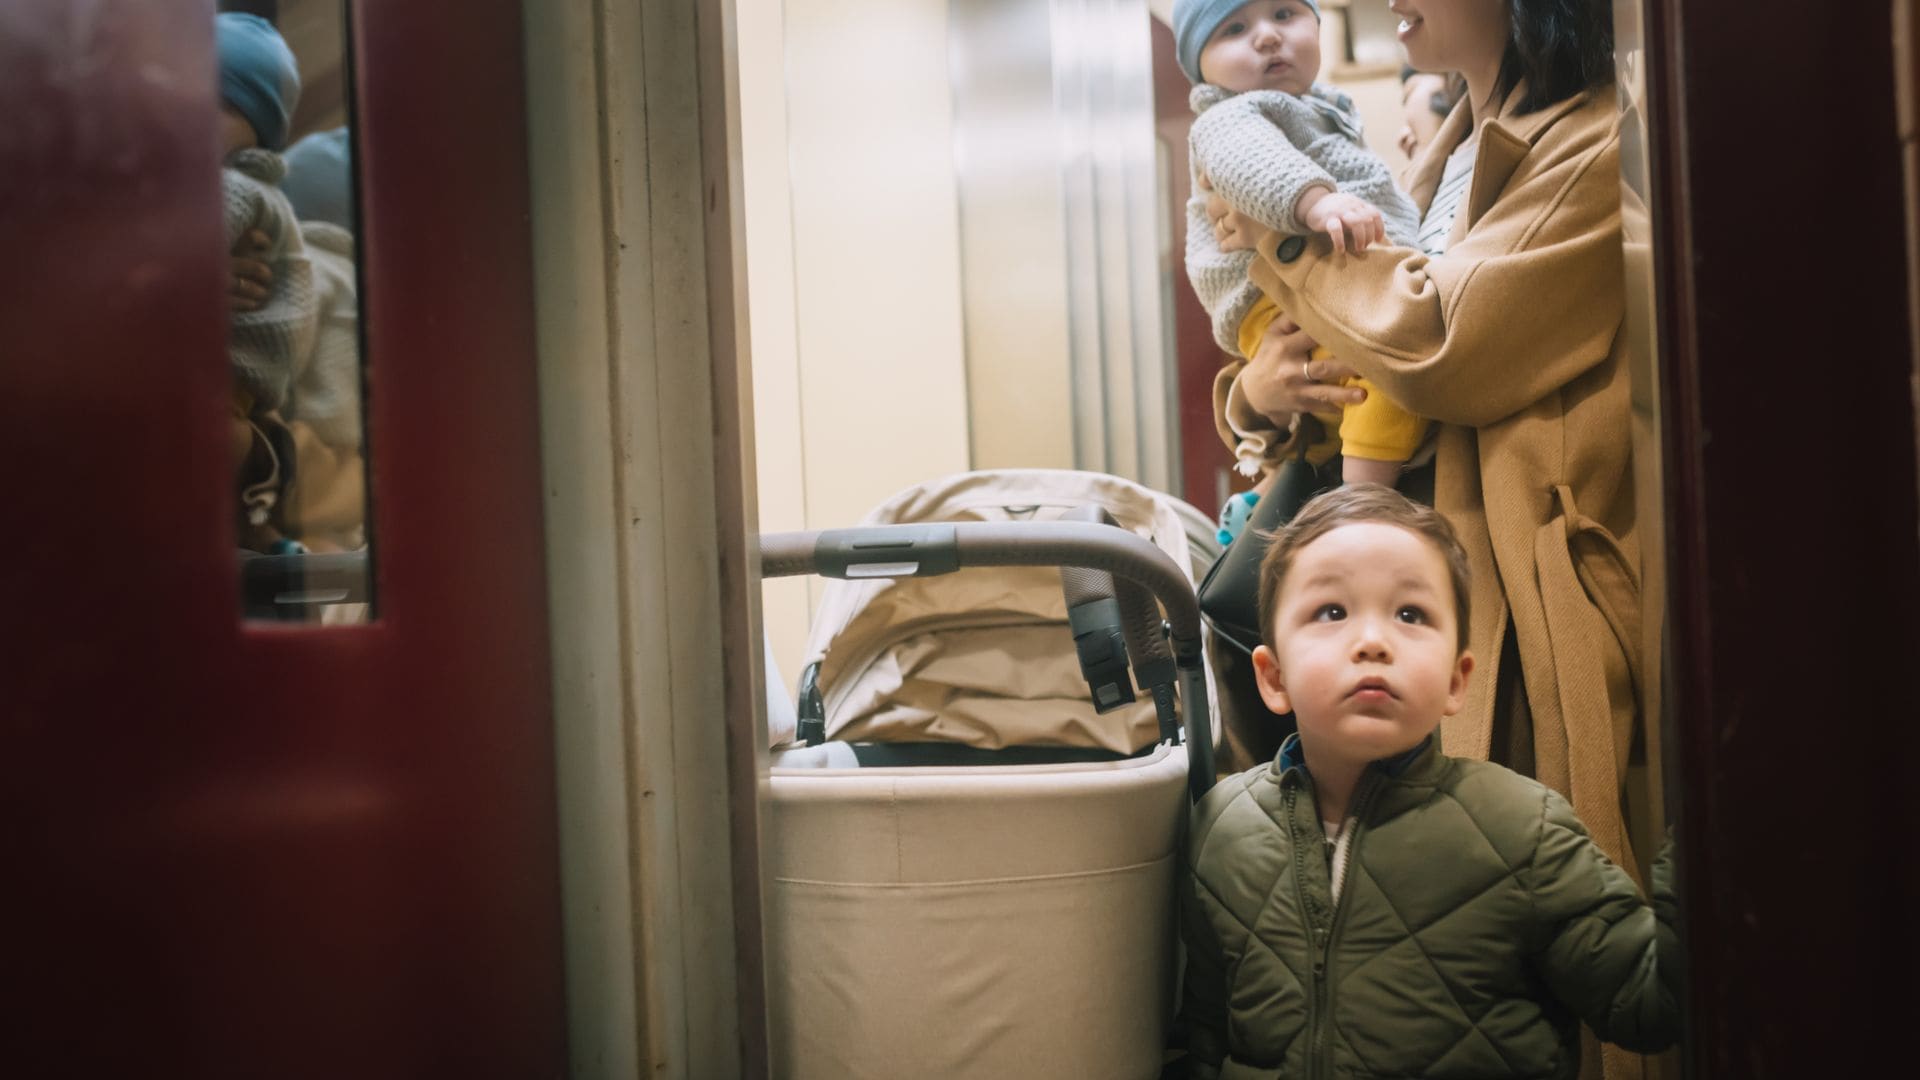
<point x="1507" y="332"/>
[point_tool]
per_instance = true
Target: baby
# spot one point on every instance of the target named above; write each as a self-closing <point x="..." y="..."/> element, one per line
<point x="1365" y="905"/>
<point x="1286" y="151"/>
<point x="259" y="85"/>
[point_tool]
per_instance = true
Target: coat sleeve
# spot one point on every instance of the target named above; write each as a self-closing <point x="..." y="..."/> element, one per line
<point x="1596" y="942"/>
<point x="1528" y="300"/>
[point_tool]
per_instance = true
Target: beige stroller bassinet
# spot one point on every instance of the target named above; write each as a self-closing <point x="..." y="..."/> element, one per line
<point x="971" y="870"/>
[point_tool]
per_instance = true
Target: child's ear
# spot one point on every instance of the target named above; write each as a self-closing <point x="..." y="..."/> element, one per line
<point x="1272" y="683"/>
<point x="1457" y="684"/>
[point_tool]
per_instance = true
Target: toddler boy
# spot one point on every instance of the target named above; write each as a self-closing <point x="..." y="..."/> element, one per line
<point x="1367" y="906"/>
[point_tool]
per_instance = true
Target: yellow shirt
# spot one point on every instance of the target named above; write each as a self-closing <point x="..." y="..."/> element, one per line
<point x="1376" y="429"/>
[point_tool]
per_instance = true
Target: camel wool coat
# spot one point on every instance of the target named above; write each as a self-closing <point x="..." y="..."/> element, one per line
<point x="1512" y="341"/>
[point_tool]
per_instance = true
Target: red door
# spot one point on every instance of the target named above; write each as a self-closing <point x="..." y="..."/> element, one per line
<point x="237" y="849"/>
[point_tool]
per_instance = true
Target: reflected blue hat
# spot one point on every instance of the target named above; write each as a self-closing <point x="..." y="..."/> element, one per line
<point x="319" y="180"/>
<point x="1194" y="22"/>
<point x="258" y="75"/>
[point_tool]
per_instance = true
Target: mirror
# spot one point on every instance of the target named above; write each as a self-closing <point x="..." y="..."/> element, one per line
<point x="297" y="422"/>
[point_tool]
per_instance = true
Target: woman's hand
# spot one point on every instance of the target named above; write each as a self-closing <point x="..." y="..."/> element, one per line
<point x="251" y="276"/>
<point x="1232" y="230"/>
<point x="1281" y="379"/>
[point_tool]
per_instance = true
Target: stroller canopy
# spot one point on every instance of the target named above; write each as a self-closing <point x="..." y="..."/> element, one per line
<point x="985" y="658"/>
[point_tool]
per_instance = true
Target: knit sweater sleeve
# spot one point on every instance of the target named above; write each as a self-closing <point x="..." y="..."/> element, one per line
<point x="1252" y="148"/>
<point x="1219" y="278"/>
<point x="325" y="390"/>
<point x="1596" y="941"/>
<point x="263" y="345"/>
<point x="1359" y="172"/>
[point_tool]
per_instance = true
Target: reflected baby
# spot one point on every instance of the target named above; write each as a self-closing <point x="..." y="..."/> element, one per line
<point x="259" y="86"/>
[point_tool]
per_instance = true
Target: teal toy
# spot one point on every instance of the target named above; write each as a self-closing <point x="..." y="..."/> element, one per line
<point x="1234" y="515"/>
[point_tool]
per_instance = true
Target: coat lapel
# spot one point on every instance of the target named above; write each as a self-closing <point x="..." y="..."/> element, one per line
<point x="1504" y="144"/>
<point x="1422" y="176"/>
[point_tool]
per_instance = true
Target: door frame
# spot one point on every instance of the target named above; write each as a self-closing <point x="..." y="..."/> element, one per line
<point x="650" y="511"/>
<point x="1793" y="527"/>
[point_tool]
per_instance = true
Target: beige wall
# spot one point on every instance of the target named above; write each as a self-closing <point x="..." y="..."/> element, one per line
<point x="854" y="269"/>
<point x="786" y="603"/>
<point x="871" y="228"/>
<point x="875" y="251"/>
<point x="1013" y="235"/>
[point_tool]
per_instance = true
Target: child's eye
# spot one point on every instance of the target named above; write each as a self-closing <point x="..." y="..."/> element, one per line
<point x="1329" y="613"/>
<point x="1282" y="14"/>
<point x="1230" y="29"/>
<point x="1411" y="614"/>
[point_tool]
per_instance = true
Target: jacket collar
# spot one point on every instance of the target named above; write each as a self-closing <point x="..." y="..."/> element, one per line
<point x="1291" y="757"/>
<point x="1505" y="141"/>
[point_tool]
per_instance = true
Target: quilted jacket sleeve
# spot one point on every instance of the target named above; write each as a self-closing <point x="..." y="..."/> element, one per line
<point x="1203" y="1001"/>
<point x="1596" y="941"/>
<point x="1251" y="147"/>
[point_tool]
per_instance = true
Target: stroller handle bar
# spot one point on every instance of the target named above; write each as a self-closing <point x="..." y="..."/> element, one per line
<point x="896" y="551"/>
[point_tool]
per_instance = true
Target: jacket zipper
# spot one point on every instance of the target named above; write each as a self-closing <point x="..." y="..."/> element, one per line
<point x="1317" y="1063"/>
<point x="1309" y="910"/>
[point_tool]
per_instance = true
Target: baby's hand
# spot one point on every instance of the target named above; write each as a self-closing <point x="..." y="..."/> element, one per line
<point x="1349" y="221"/>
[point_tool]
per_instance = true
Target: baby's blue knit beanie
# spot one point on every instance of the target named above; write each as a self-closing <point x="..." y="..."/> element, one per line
<point x="1194" y="22"/>
<point x="258" y="75"/>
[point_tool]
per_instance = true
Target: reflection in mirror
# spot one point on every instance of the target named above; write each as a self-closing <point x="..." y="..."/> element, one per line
<point x="297" y="427"/>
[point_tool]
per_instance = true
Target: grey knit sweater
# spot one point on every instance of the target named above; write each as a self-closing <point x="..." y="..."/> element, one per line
<point x="265" y="345"/>
<point x="325" y="382"/>
<point x="1262" y="150"/>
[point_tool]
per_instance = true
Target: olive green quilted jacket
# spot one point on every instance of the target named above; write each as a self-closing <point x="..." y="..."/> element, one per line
<point x="1477" y="925"/>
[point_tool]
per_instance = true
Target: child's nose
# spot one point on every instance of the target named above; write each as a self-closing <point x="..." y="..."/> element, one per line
<point x="1370" y="639"/>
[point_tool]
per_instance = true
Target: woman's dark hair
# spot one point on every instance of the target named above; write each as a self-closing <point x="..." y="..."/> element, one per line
<point x="1558" y="48"/>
